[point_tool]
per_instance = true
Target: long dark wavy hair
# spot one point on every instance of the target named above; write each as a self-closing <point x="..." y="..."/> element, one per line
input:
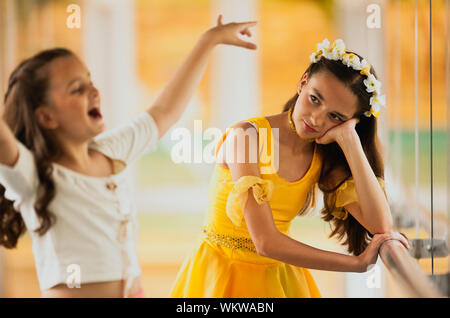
<point x="356" y="236"/>
<point x="28" y="88"/>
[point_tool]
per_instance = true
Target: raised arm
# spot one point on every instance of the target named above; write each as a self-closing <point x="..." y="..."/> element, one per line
<point x="172" y="101"/>
<point x="9" y="150"/>
<point x="270" y="242"/>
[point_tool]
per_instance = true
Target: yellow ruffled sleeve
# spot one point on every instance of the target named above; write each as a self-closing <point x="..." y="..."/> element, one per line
<point x="262" y="191"/>
<point x="346" y="194"/>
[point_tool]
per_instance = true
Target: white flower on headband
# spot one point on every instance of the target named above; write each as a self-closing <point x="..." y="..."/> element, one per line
<point x="333" y="56"/>
<point x="371" y="112"/>
<point x="380" y="100"/>
<point x="377" y="101"/>
<point x="355" y="63"/>
<point x="336" y="50"/>
<point x="314" y="58"/>
<point x="351" y="60"/>
<point x="322" y="50"/>
<point x="365" y="68"/>
<point x="374" y="109"/>
<point x="323" y="46"/>
<point x="372" y="84"/>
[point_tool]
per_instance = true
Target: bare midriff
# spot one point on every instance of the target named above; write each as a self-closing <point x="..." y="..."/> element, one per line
<point x="113" y="289"/>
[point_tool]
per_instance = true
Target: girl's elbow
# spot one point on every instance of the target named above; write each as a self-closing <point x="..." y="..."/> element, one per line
<point x="264" y="247"/>
<point x="385" y="227"/>
<point x="385" y="223"/>
<point x="265" y="240"/>
<point x="388" y="224"/>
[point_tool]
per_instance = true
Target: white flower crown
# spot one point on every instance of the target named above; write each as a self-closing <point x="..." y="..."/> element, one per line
<point x="337" y="52"/>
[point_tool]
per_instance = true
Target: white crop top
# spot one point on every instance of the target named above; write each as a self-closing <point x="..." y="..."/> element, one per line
<point x="95" y="230"/>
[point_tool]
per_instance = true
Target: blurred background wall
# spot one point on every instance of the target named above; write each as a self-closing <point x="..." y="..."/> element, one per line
<point x="133" y="47"/>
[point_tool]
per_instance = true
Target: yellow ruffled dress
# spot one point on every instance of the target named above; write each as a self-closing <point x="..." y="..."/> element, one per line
<point x="224" y="264"/>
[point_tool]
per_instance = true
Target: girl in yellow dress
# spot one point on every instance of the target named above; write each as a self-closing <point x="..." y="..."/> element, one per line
<point x="266" y="174"/>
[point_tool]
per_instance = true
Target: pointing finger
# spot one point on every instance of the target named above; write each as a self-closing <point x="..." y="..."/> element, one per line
<point x="247" y="24"/>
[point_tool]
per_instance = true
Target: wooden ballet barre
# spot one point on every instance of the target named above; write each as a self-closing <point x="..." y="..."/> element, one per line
<point x="406" y="270"/>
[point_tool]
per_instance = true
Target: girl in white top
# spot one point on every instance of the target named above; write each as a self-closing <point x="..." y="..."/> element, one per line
<point x="65" y="180"/>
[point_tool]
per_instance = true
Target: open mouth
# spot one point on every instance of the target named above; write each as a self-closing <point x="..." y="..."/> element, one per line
<point x="95" y="113"/>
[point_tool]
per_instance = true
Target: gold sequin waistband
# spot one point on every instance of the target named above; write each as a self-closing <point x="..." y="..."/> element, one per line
<point x="241" y="243"/>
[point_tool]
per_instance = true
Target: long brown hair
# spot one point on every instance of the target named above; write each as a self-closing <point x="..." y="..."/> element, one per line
<point x="28" y="88"/>
<point x="356" y="236"/>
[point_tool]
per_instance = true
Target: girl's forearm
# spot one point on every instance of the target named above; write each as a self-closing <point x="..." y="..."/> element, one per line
<point x="372" y="200"/>
<point x="171" y="103"/>
<point x="285" y="249"/>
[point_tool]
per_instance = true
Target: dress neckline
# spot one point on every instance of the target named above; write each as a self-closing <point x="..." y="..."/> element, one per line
<point x="307" y="173"/>
<point x="118" y="168"/>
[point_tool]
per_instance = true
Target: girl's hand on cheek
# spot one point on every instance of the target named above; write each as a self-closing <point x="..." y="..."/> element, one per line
<point x="339" y="131"/>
